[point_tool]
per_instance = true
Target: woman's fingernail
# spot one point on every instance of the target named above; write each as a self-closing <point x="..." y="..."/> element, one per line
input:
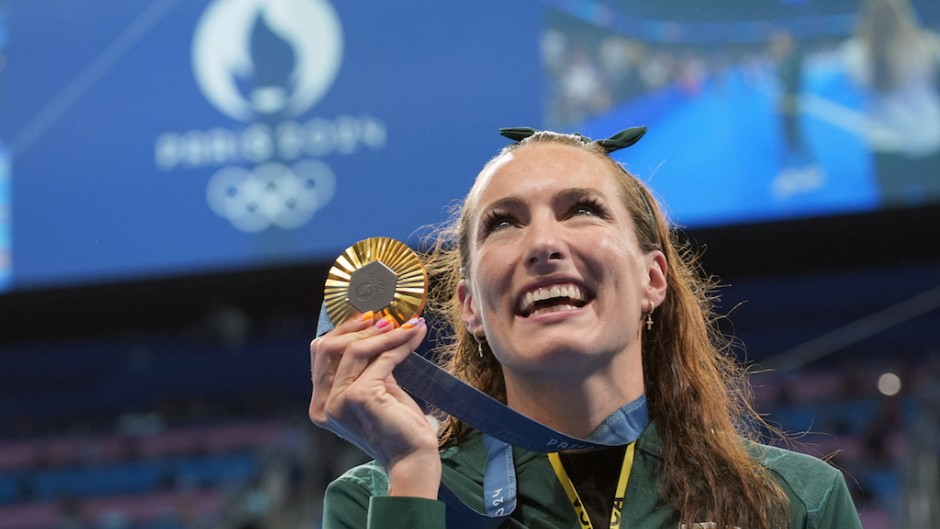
<point x="366" y="317"/>
<point x="413" y="322"/>
<point x="384" y="322"/>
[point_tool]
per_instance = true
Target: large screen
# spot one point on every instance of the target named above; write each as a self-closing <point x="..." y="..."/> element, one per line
<point x="146" y="138"/>
<point x="759" y="110"/>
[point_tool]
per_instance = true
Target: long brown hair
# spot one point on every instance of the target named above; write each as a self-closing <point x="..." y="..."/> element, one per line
<point x="696" y="393"/>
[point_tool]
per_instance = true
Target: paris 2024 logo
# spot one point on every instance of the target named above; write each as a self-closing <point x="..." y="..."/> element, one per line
<point x="265" y="64"/>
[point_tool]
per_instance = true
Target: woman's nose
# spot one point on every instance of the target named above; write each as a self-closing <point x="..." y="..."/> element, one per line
<point x="544" y="243"/>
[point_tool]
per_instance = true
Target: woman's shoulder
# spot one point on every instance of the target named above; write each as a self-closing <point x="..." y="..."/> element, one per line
<point x="793" y="466"/>
<point x="817" y="490"/>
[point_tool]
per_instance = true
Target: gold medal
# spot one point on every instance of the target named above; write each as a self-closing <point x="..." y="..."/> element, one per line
<point x="379" y="274"/>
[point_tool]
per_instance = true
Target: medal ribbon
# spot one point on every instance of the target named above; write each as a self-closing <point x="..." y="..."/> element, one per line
<point x="616" y="513"/>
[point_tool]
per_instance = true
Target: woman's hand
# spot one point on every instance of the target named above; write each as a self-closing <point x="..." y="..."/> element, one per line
<point x="356" y="396"/>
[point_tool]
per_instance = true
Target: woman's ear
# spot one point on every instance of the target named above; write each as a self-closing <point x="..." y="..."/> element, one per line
<point x="468" y="309"/>
<point x="658" y="277"/>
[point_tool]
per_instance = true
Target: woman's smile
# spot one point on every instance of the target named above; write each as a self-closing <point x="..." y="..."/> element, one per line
<point x="552" y="297"/>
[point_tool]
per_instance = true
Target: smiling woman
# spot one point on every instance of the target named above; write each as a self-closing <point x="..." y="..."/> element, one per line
<point x="543" y="219"/>
<point x="570" y="300"/>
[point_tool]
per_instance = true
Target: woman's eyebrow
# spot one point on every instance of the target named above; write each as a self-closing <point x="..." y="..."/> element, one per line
<point x="573" y="194"/>
<point x="509" y="202"/>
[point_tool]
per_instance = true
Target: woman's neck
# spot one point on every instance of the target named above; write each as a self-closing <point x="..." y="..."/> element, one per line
<point x="575" y="408"/>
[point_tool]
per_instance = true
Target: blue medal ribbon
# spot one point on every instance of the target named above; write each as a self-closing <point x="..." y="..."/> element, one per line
<point x="502" y="427"/>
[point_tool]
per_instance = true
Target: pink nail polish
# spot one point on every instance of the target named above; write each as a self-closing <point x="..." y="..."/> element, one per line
<point x="413" y="322"/>
<point x="383" y="323"/>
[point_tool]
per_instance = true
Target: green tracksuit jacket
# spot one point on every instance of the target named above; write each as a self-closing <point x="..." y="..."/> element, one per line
<point x="818" y="495"/>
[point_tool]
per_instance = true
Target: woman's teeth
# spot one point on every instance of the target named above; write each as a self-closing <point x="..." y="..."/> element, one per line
<point x="552" y="308"/>
<point x="552" y="299"/>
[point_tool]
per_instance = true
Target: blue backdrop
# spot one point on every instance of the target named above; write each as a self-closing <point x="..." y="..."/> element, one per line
<point x="143" y="138"/>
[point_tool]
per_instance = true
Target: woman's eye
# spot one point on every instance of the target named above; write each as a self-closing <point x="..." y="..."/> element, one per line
<point x="498" y="222"/>
<point x="589" y="208"/>
<point x="584" y="210"/>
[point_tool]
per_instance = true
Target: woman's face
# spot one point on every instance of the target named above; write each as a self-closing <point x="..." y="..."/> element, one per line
<point x="557" y="282"/>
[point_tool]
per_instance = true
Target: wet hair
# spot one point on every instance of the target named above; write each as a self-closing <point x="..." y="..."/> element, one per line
<point x="697" y="394"/>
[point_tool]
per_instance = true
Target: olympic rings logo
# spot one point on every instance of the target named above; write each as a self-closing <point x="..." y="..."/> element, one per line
<point x="271" y="194"/>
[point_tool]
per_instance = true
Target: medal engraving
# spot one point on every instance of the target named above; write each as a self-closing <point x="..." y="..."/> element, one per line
<point x="379" y="274"/>
<point x="372" y="287"/>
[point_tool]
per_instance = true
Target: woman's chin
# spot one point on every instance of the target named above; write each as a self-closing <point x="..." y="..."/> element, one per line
<point x="554" y="357"/>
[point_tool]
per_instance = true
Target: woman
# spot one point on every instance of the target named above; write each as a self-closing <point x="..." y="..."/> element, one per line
<point x="569" y="299"/>
<point x="896" y="63"/>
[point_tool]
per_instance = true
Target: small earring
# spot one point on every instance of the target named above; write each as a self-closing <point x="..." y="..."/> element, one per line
<point x="649" y="317"/>
<point x="479" y="344"/>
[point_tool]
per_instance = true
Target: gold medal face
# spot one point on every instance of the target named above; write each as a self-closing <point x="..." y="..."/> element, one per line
<point x="379" y="274"/>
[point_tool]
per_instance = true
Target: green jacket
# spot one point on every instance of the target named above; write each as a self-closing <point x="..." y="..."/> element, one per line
<point x="818" y="495"/>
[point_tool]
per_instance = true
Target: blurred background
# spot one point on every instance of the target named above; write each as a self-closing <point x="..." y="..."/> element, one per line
<point x="176" y="177"/>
